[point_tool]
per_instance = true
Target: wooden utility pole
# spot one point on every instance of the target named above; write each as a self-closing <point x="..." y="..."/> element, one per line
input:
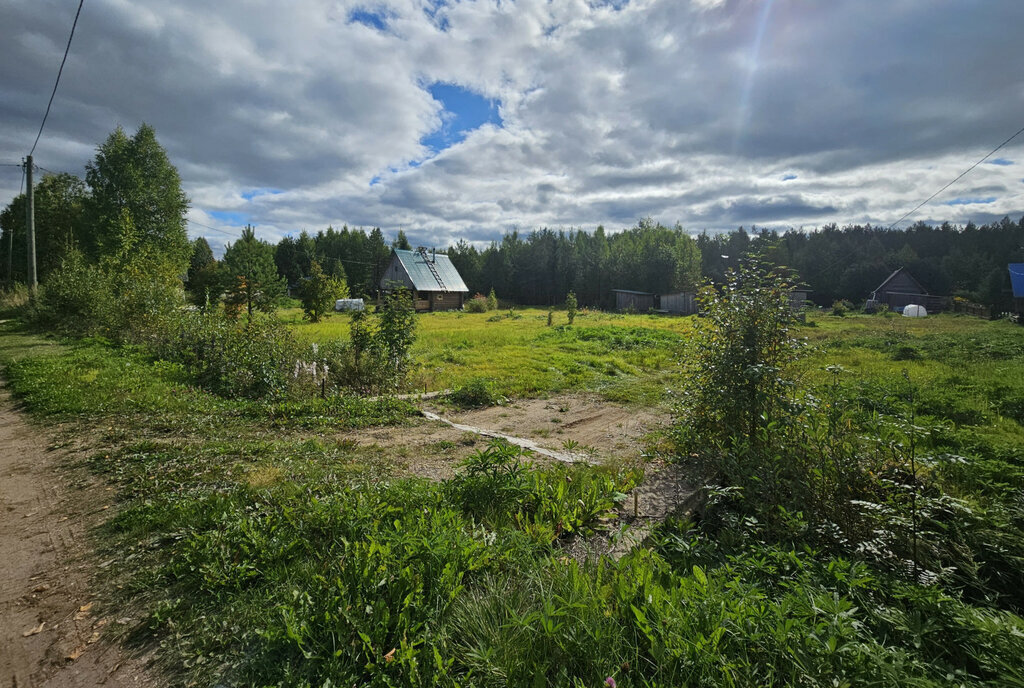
<point x="30" y="228"/>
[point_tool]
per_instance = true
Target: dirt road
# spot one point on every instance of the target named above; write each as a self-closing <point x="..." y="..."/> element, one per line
<point x="50" y="633"/>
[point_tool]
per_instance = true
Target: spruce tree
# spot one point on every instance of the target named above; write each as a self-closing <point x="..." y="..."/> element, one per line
<point x="250" y="274"/>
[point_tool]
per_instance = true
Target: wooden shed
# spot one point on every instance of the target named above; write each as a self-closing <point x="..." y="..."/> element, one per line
<point x="682" y="303"/>
<point x="901" y="289"/>
<point x="629" y="300"/>
<point x="434" y="282"/>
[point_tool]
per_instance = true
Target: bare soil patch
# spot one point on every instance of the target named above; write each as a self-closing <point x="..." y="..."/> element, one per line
<point x="52" y="631"/>
<point x="579" y="423"/>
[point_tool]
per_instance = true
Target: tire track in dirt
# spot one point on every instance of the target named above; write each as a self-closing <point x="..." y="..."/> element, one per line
<point x="49" y="633"/>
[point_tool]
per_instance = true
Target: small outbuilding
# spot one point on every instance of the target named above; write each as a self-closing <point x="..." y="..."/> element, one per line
<point x="901" y="289"/>
<point x="434" y="282"/>
<point x="683" y="303"/>
<point x="629" y="300"/>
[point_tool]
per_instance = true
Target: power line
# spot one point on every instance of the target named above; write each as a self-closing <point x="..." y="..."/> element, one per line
<point x="59" y="72"/>
<point x="215" y="229"/>
<point x="959" y="176"/>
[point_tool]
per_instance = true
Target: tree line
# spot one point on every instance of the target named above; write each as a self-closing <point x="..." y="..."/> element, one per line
<point x="131" y="197"/>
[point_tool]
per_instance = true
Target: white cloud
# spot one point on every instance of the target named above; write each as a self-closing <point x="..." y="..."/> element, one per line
<point x="610" y="111"/>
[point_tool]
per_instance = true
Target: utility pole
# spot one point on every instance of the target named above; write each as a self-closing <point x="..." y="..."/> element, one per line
<point x="30" y="228"/>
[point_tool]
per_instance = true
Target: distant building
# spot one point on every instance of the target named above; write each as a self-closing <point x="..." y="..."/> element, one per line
<point x="682" y="303"/>
<point x="798" y="298"/>
<point x="1017" y="285"/>
<point x="434" y="282"/>
<point x="901" y="289"/>
<point x="629" y="300"/>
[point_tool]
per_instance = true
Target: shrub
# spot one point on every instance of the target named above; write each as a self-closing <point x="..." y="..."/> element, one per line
<point x="376" y="359"/>
<point x="477" y="304"/>
<point x="477" y="393"/>
<point x="75" y="298"/>
<point x="841" y="307"/>
<point x="570" y="306"/>
<point x="492" y="301"/>
<point x="251" y="360"/>
<point x="13" y="298"/>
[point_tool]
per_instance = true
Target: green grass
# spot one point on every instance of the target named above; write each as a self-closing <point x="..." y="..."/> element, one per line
<point x="257" y="543"/>
<point x="522" y="356"/>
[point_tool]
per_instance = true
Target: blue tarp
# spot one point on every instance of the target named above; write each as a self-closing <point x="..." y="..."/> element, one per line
<point x="1017" y="279"/>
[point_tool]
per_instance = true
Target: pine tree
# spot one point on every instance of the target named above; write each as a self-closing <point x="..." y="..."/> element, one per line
<point x="250" y="274"/>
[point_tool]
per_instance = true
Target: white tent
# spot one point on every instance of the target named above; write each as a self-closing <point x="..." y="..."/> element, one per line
<point x="914" y="311"/>
<point x="349" y="305"/>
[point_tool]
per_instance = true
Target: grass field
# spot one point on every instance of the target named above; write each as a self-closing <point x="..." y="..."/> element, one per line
<point x="259" y="543"/>
<point x="623" y="357"/>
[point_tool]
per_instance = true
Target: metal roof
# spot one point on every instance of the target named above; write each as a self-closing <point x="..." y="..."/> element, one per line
<point x="1017" y="279"/>
<point x="630" y="291"/>
<point x="417" y="265"/>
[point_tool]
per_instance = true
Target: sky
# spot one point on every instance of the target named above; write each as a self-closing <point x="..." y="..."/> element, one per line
<point x="455" y="119"/>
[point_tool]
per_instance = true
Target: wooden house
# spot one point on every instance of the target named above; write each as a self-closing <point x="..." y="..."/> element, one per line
<point x="434" y="282"/>
<point x="629" y="300"/>
<point x="1017" y="285"/>
<point x="901" y="289"/>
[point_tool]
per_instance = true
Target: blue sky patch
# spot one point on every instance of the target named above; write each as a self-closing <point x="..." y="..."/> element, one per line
<point x="1000" y="161"/>
<point x="970" y="201"/>
<point x="432" y="8"/>
<point x="463" y="112"/>
<point x="788" y="177"/>
<point x="229" y="218"/>
<point x="375" y="19"/>
<point x="264" y="191"/>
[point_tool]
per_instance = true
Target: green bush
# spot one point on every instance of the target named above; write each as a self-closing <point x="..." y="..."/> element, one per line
<point x="498" y="486"/>
<point x="254" y="359"/>
<point x="76" y="298"/>
<point x="841" y="308"/>
<point x="477" y="304"/>
<point x="476" y="393"/>
<point x="124" y="298"/>
<point x="376" y="358"/>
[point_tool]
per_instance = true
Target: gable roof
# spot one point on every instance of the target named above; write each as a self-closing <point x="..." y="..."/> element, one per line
<point x="417" y="265"/>
<point x="895" y="273"/>
<point x="1017" y="279"/>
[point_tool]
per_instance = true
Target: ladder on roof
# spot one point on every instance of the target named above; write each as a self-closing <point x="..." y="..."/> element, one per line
<point x="432" y="268"/>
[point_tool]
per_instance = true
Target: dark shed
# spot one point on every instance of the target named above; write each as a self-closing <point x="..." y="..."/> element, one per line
<point x="629" y="300"/>
<point x="901" y="289"/>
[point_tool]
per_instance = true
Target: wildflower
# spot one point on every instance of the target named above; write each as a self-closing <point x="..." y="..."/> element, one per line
<point x="610" y="682"/>
<point x="315" y="348"/>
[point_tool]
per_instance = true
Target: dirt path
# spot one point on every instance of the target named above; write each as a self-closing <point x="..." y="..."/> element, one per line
<point x="50" y="633"/>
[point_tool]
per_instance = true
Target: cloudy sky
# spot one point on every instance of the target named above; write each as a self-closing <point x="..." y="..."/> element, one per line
<point x="463" y="119"/>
